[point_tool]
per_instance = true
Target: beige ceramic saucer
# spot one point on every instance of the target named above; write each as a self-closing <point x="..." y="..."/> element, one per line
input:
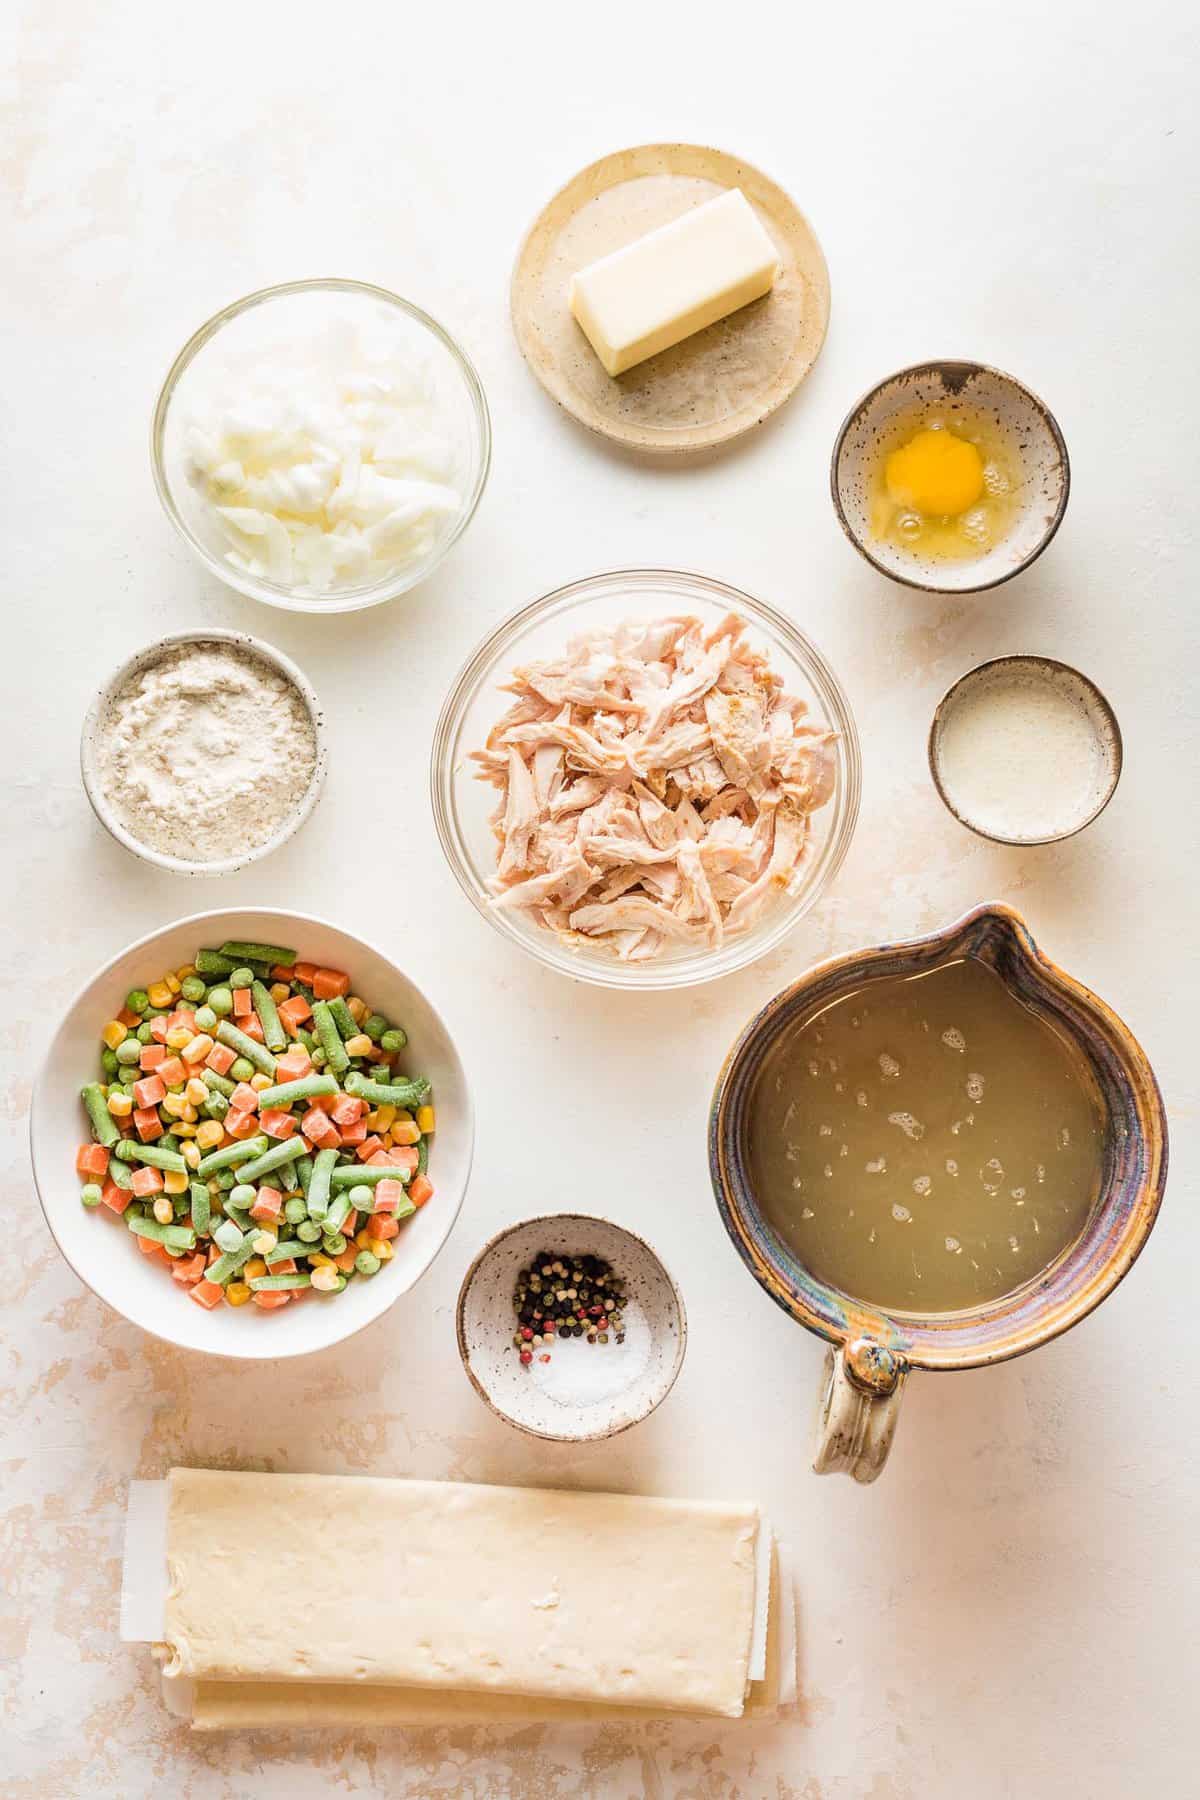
<point x="715" y="385"/>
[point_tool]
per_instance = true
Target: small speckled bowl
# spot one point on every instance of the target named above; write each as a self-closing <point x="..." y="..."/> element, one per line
<point x="586" y="1391"/>
<point x="946" y="388"/>
<point x="95" y="723"/>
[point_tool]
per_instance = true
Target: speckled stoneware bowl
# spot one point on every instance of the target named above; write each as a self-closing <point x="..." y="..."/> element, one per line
<point x="946" y="388"/>
<point x="586" y="1391"/>
<point x="872" y="1350"/>
<point x="98" y="719"/>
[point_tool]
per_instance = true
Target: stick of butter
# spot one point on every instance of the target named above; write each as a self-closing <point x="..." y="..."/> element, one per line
<point x="674" y="281"/>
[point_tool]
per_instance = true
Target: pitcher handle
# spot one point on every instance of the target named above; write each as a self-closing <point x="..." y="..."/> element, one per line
<point x="860" y="1403"/>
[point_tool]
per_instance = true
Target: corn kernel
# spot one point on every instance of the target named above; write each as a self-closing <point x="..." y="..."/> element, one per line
<point x="197" y="1048"/>
<point x="406" y="1132"/>
<point x="403" y="1116"/>
<point x="164" y="1212"/>
<point x="114" y="1033"/>
<point x="190" y="1151"/>
<point x="183" y="1128"/>
<point x="358" y="1009"/>
<point x="260" y="1082"/>
<point x="173" y="1105"/>
<point x="426" y="1118"/>
<point x="173" y="982"/>
<point x="158" y="994"/>
<point x="381" y="1119"/>
<point x="181" y="975"/>
<point x="209" y="1133"/>
<point x="382" y="1248"/>
<point x="120" y="1105"/>
<point x="279" y="992"/>
<point x="363" y="1239"/>
<point x="254" y="1268"/>
<point x="196" y="1092"/>
<point x="325" y="1280"/>
<point x="264" y="1242"/>
<point x="189" y="1115"/>
<point x="175" y="1181"/>
<point x="320" y="1260"/>
<point x="359" y="1045"/>
<point x="237" y="1292"/>
<point x="178" y="1037"/>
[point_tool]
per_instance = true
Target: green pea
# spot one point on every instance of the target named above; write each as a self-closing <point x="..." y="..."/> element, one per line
<point x="334" y="1244"/>
<point x="90" y="1194"/>
<point x="226" y="1179"/>
<point x="374" y="1026"/>
<point x="192" y="988"/>
<point x="295" y="1210"/>
<point x="206" y="1018"/>
<point x="241" y="1068"/>
<point x="128" y="1052"/>
<point x="241" y="978"/>
<point x="168" y="1142"/>
<point x="137" y="1000"/>
<point x="361" y="1198"/>
<point x="144" y="1033"/>
<point x="367" y="1263"/>
<point x="394" y="1039"/>
<point x="108" y="1061"/>
<point x="243" y="1194"/>
<point x="220" y="1001"/>
<point x="308" y="1231"/>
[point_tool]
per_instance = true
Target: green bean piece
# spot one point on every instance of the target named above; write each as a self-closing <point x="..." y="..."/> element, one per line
<point x="270" y="954"/>
<point x="380" y="1071"/>
<point x="269" y="1283"/>
<point x="211" y="962"/>
<point x="217" y="1084"/>
<point x="246" y="1151"/>
<point x="382" y="1093"/>
<point x="282" y="1250"/>
<point x="225" y="1180"/>
<point x="103" y="1124"/>
<point x="268" y="1017"/>
<point x="229" y="1264"/>
<point x="295" y="1210"/>
<point x="120" y="1174"/>
<point x="228" y="1236"/>
<point x="422" y="1155"/>
<point x="215" y="1107"/>
<point x="172" y="1237"/>
<point x="304" y="1171"/>
<point x="274" y="1158"/>
<point x="182" y="1205"/>
<point x="302" y="1089"/>
<point x="330" y="1038"/>
<point x="168" y="1141"/>
<point x="310" y="1231"/>
<point x="201" y="1206"/>
<point x="350" y="1175"/>
<point x="340" y="1208"/>
<point x="129" y="1150"/>
<point x="342" y="1017"/>
<point x="229" y="1035"/>
<point x="393" y="1039"/>
<point x="367" y="1263"/>
<point x="324" y="1164"/>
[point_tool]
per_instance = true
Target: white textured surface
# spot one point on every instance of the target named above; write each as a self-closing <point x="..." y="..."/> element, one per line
<point x="1010" y="1611"/>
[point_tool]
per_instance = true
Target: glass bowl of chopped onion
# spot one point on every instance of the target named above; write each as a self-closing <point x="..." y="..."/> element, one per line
<point x="645" y="778"/>
<point x="321" y="445"/>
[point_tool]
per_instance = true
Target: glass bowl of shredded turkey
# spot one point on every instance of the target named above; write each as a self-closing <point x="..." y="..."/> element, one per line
<point x="321" y="445"/>
<point x="645" y="778"/>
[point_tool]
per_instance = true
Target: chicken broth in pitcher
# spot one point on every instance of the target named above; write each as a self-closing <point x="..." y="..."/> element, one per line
<point x="926" y="1143"/>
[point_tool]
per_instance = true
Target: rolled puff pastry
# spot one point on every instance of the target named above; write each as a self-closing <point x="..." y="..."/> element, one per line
<point x="446" y="1585"/>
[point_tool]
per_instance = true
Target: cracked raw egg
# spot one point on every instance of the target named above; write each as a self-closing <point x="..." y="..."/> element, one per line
<point x="942" y="489"/>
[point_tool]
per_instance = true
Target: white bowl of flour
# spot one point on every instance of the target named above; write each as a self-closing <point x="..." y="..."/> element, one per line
<point x="204" y="752"/>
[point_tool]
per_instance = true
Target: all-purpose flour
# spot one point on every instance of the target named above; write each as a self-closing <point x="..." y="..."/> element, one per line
<point x="206" y="753"/>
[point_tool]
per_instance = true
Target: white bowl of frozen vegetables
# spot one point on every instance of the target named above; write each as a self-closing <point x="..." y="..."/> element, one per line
<point x="186" y="1252"/>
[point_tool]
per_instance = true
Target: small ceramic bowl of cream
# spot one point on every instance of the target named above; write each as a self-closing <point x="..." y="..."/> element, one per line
<point x="950" y="476"/>
<point x="321" y="445"/>
<point x="1025" y="750"/>
<point x="204" y="752"/>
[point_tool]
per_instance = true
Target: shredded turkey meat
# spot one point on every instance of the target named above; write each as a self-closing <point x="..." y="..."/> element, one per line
<point x="656" y="786"/>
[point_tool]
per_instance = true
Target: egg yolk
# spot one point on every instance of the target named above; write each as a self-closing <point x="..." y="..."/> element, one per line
<point x="935" y="473"/>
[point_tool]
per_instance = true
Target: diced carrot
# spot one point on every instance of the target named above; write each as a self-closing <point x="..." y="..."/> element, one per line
<point x="270" y="1298"/>
<point x="296" y="1009"/>
<point x="115" y="1198"/>
<point x="369" y="1145"/>
<point x="320" y="1128"/>
<point x="213" y="1253"/>
<point x="220" y="1059"/>
<point x="153" y="1252"/>
<point x="399" y="1156"/>
<point x="303" y="973"/>
<point x="281" y="972"/>
<point x="158" y="1030"/>
<point x="182" y="1019"/>
<point x="327" y="984"/>
<point x="240" y="1125"/>
<point x="153" y="1056"/>
<point x="149" y="1091"/>
<point x="172" y="1072"/>
<point x="286" y="1267"/>
<point x="188" y="1268"/>
<point x="148" y="1124"/>
<point x="145" y="1181"/>
<point x="130" y="1020"/>
<point x="350" y="1224"/>
<point x="91" y="1159"/>
<point x="243" y="1002"/>
<point x="345" y="1262"/>
<point x="207" y="1294"/>
<point x="388" y="1195"/>
<point x="355" y="1133"/>
<point x="252" y="1026"/>
<point x="277" y="1123"/>
<point x="347" y="1109"/>
<point x="420" y="1190"/>
<point x="244" y="1098"/>
<point x="384" y="1227"/>
<point x="324" y="1102"/>
<point x="268" y="1204"/>
<point x="293" y="1065"/>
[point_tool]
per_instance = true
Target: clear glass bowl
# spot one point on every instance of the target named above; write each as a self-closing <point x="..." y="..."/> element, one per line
<point x="286" y="309"/>
<point x="462" y="803"/>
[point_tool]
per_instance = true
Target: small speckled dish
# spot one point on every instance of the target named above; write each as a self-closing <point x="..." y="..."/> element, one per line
<point x="1067" y="686"/>
<point x="96" y="720"/>
<point x="586" y="1391"/>
<point x="946" y="388"/>
<point x="713" y="386"/>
